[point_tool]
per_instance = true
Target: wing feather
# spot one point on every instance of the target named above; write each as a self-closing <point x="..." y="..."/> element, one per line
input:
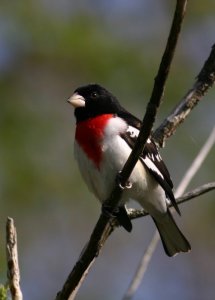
<point x="150" y="158"/>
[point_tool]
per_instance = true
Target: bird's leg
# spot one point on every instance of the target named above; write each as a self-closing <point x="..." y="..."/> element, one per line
<point x="119" y="212"/>
<point x="107" y="210"/>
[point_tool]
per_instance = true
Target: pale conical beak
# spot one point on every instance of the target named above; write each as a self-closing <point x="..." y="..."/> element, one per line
<point x="76" y="100"/>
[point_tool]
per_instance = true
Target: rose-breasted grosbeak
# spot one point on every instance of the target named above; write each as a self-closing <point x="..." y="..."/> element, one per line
<point x="105" y="135"/>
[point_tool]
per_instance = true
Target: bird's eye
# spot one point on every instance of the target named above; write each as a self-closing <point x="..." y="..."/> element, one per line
<point x="94" y="95"/>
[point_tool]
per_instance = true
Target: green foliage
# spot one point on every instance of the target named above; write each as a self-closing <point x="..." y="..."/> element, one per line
<point x="3" y="292"/>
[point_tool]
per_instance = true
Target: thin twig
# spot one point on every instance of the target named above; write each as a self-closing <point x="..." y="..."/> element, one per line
<point x="196" y="164"/>
<point x="13" y="273"/>
<point x="145" y="260"/>
<point x="204" y="82"/>
<point x="154" y="241"/>
<point x="102" y="227"/>
<point x="205" y="188"/>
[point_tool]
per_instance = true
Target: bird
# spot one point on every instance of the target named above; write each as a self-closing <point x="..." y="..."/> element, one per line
<point x="104" y="137"/>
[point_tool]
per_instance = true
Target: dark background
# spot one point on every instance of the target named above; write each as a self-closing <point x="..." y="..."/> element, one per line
<point x="47" y="49"/>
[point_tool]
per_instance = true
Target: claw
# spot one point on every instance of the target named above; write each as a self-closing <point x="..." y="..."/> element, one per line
<point x="127" y="185"/>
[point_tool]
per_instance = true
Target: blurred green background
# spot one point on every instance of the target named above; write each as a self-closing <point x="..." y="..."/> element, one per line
<point x="47" y="49"/>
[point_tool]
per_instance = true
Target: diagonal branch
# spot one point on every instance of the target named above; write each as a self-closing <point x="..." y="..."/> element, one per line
<point x="204" y="82"/>
<point x="197" y="163"/>
<point x="102" y="227"/>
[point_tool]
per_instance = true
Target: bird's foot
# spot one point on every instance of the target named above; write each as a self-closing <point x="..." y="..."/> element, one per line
<point x="127" y="185"/>
<point x="109" y="212"/>
<point x="120" y="214"/>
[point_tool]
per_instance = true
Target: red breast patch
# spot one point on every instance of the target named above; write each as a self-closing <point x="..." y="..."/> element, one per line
<point x="89" y="135"/>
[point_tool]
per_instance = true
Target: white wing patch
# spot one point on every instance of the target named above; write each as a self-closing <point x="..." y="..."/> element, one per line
<point x="154" y="157"/>
<point x="133" y="132"/>
<point x="149" y="163"/>
<point x="151" y="157"/>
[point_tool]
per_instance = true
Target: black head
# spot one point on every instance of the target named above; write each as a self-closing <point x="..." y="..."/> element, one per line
<point x="93" y="100"/>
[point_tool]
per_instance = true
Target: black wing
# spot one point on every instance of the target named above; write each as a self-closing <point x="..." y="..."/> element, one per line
<point x="150" y="157"/>
<point x="153" y="161"/>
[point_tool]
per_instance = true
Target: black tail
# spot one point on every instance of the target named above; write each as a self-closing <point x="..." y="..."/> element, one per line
<point x="172" y="238"/>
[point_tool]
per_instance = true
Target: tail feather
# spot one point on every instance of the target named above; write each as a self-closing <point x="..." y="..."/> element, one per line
<point x="172" y="238"/>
